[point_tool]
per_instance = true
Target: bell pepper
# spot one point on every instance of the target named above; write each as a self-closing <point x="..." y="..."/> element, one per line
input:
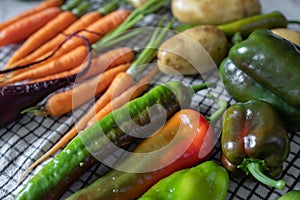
<point x="265" y="57"/>
<point x="265" y="67"/>
<point x="184" y="141"/>
<point x="254" y="140"/>
<point x="207" y="180"/>
<point x="291" y="195"/>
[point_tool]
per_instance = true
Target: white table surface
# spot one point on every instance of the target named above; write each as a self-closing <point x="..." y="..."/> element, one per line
<point x="290" y="8"/>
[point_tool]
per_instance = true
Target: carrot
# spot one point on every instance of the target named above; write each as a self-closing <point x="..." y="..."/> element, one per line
<point x="41" y="6"/>
<point x="44" y="34"/>
<point x="70" y="60"/>
<point x="25" y="27"/>
<point x="99" y="64"/>
<point x="98" y="29"/>
<point x="99" y="107"/>
<point x="80" y="24"/>
<point x="126" y="96"/>
<point x="57" y="104"/>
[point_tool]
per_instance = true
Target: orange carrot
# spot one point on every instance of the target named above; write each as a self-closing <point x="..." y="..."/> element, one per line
<point x="42" y="51"/>
<point x="118" y="101"/>
<point x="99" y="28"/>
<point x="133" y="92"/>
<point x="25" y="27"/>
<point x="68" y="61"/>
<point x="41" y="6"/>
<point x="64" y="102"/>
<point x="44" y="34"/>
<point x="99" y="64"/>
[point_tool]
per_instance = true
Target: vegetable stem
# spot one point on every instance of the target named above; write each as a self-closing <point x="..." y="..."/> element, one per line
<point x="70" y="5"/>
<point x="108" y="7"/>
<point x="255" y="168"/>
<point x="149" y="7"/>
<point x="81" y="9"/>
<point x="217" y="115"/>
<point x="150" y="51"/>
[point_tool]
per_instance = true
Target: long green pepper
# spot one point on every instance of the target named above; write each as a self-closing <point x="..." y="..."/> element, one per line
<point x="99" y="137"/>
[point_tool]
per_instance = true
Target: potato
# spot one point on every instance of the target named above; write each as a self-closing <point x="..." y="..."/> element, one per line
<point x="213" y="11"/>
<point x="136" y="3"/>
<point x="193" y="51"/>
<point x="288" y="34"/>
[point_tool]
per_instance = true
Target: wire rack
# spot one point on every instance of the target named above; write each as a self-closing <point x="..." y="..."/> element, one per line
<point x="24" y="141"/>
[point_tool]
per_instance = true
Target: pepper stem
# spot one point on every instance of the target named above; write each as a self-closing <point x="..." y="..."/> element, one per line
<point x="223" y="105"/>
<point x="256" y="167"/>
<point x="197" y="88"/>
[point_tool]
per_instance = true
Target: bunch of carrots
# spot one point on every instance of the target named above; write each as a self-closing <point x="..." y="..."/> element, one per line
<point x="62" y="49"/>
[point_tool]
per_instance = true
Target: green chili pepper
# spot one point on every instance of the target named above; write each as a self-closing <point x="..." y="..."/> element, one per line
<point x="292" y="195"/>
<point x="254" y="140"/>
<point x="208" y="180"/>
<point x="247" y="25"/>
<point x="244" y="88"/>
<point x="98" y="139"/>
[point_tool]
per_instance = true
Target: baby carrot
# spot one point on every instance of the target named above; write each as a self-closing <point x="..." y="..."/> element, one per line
<point x="93" y="32"/>
<point x="41" y="6"/>
<point x="82" y="23"/>
<point x="99" y="64"/>
<point x="25" y="27"/>
<point x="42" y="51"/>
<point x="44" y="34"/>
<point x="65" y="101"/>
<point x="119" y="99"/>
<point x="70" y="60"/>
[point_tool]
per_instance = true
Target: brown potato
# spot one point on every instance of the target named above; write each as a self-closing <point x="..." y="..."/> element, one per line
<point x="213" y="11"/>
<point x="193" y="51"/>
<point x="288" y="34"/>
<point x="136" y="3"/>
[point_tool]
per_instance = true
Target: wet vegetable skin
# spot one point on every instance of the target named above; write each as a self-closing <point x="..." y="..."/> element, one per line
<point x="265" y="57"/>
<point x="254" y="140"/>
<point x="205" y="181"/>
<point x="244" y="85"/>
<point x="291" y="195"/>
<point x="184" y="141"/>
<point x="98" y="139"/>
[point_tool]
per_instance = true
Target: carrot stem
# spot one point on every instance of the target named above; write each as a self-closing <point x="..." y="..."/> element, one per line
<point x="149" y="7"/>
<point x="81" y="9"/>
<point x="109" y="7"/>
<point x="69" y="5"/>
<point x="151" y="49"/>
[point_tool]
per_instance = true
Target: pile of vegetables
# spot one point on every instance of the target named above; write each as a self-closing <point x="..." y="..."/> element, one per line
<point x="70" y="43"/>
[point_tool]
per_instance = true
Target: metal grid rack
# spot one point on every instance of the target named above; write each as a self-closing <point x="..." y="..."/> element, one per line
<point x="24" y="141"/>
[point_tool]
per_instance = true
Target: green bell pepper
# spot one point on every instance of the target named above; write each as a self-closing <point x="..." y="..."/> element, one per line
<point x="265" y="67"/>
<point x="271" y="61"/>
<point x="292" y="195"/>
<point x="207" y="180"/>
<point x="254" y="140"/>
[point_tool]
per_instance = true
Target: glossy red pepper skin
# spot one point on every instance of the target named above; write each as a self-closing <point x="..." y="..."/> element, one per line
<point x="184" y="141"/>
<point x="253" y="131"/>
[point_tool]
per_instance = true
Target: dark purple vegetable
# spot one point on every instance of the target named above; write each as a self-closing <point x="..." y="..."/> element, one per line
<point x="16" y="98"/>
